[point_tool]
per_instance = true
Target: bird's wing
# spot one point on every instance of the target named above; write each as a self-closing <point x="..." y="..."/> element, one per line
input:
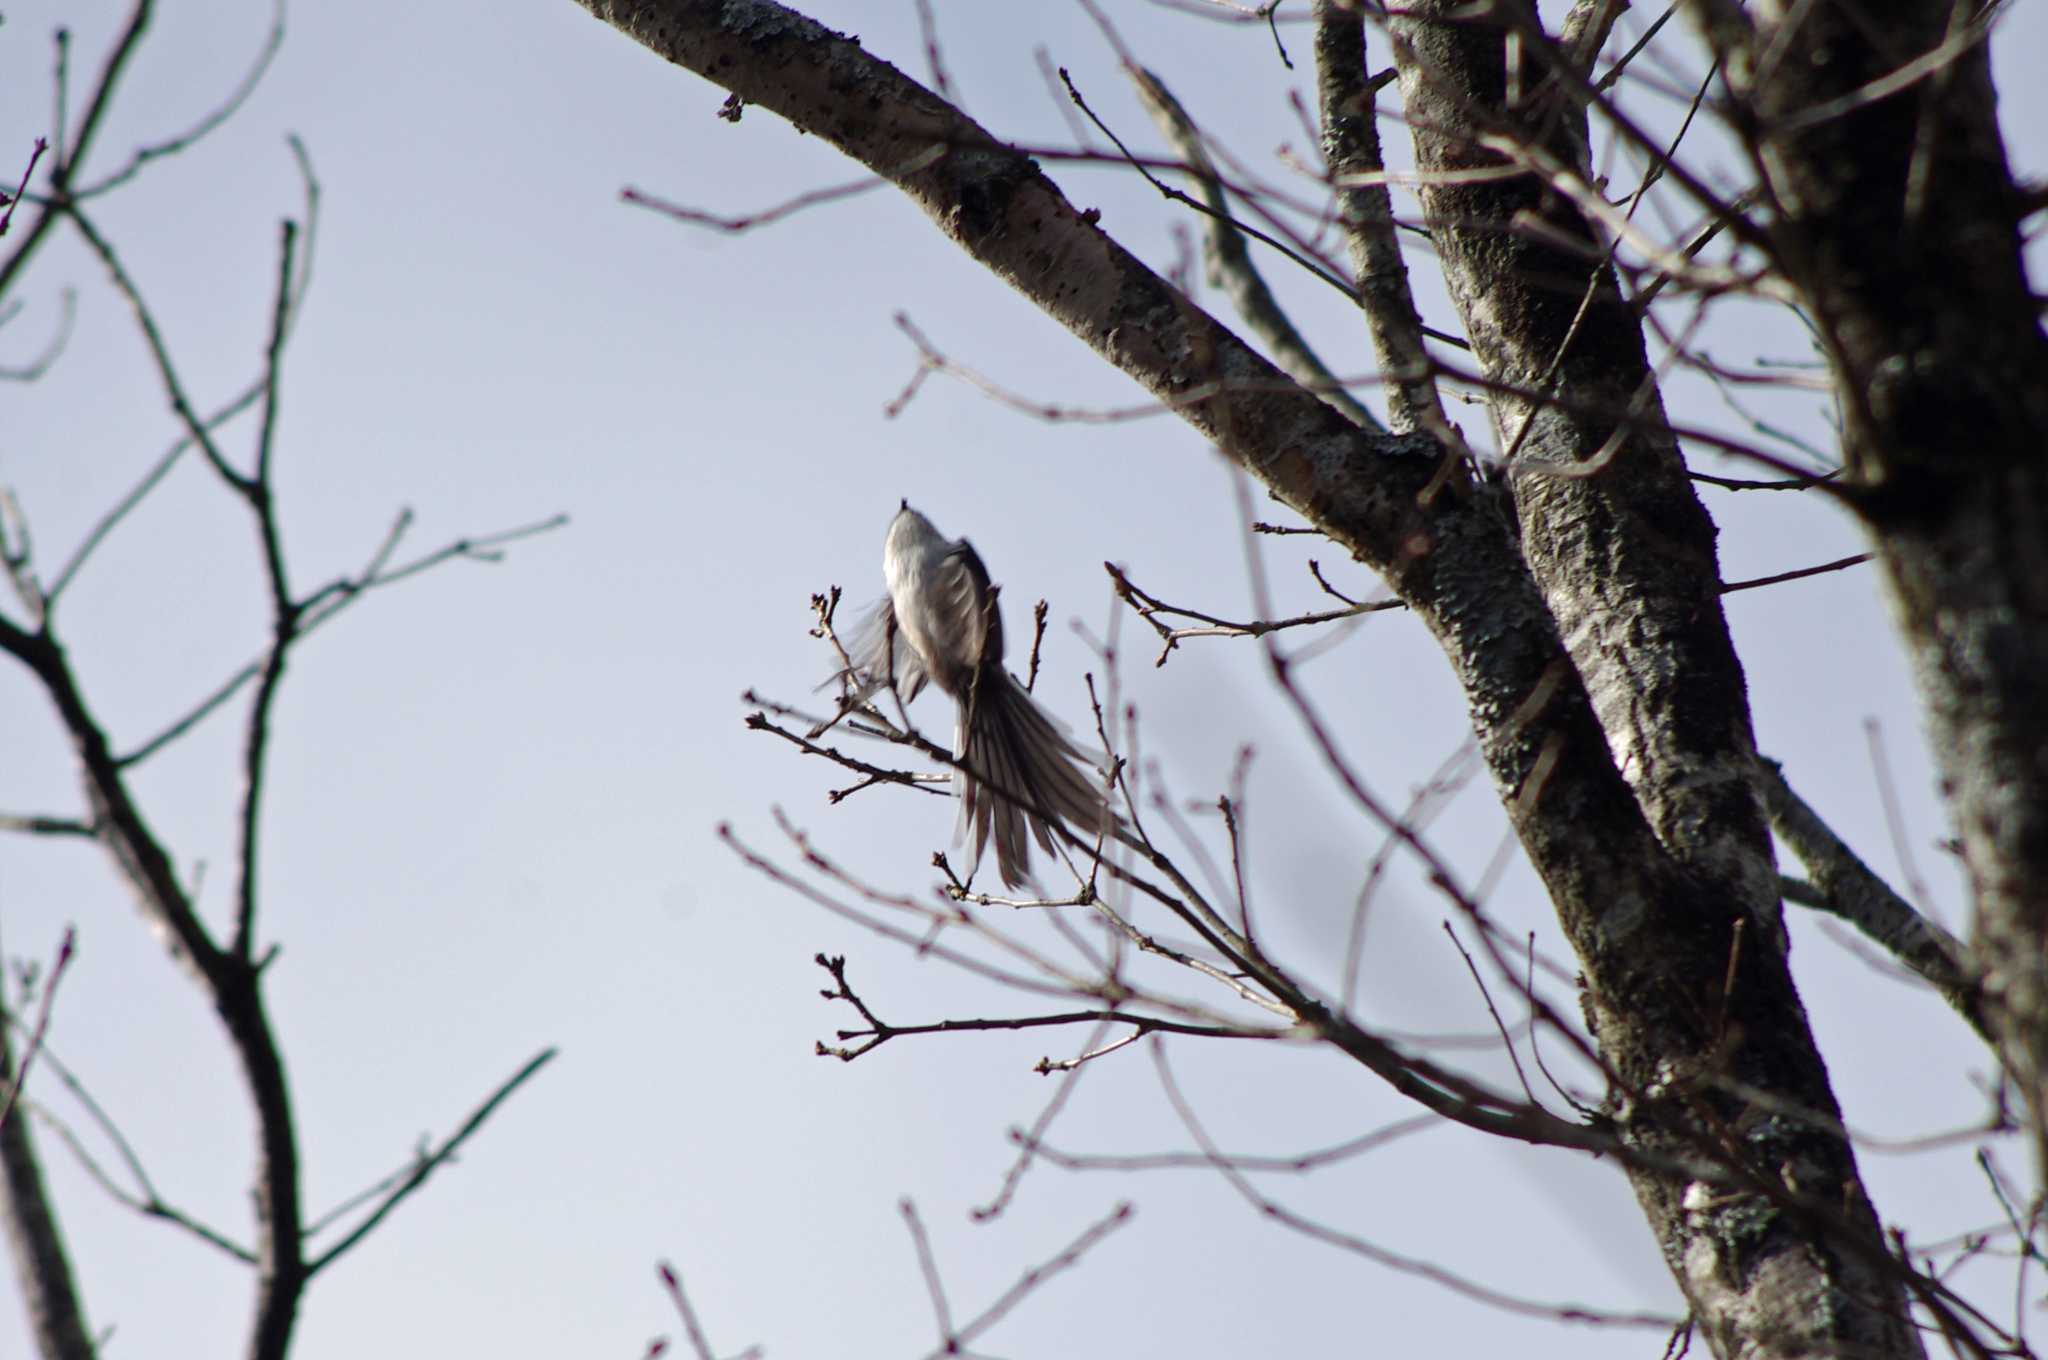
<point x="965" y="604"/>
<point x="877" y="649"/>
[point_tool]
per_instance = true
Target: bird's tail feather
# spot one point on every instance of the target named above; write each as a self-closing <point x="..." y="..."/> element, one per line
<point x="1024" y="776"/>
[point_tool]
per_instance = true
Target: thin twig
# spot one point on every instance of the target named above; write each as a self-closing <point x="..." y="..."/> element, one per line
<point x="1507" y="1040"/>
<point x="1839" y="564"/>
<point x="11" y="202"/>
<point x="213" y="119"/>
<point x="431" y="1162"/>
<point x="332" y="599"/>
<point x="1032" y="1278"/>
<point x="55" y="975"/>
<point x="1295" y="1164"/>
<point x="928" y="1266"/>
<point x="1274" y="1211"/>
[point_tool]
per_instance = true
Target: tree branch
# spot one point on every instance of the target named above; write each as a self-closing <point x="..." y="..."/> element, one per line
<point x="1230" y="262"/>
<point x="429" y="1163"/>
<point x="1351" y="149"/>
<point x="1847" y="887"/>
<point x="49" y="1289"/>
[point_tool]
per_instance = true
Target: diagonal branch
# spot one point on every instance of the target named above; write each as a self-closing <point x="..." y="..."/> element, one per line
<point x="1852" y="890"/>
<point x="49" y="1287"/>
<point x="71" y="152"/>
<point x="1230" y="262"/>
<point x="1351" y="148"/>
<point x="430" y="1162"/>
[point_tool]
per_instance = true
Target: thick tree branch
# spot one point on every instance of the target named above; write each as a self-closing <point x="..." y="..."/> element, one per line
<point x="1351" y="148"/>
<point x="1850" y="889"/>
<point x="71" y="151"/>
<point x="232" y="983"/>
<point x="49" y="1290"/>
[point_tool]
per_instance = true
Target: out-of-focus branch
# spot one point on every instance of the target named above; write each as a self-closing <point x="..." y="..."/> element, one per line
<point x="71" y="150"/>
<point x="693" y="1330"/>
<point x="39" y="824"/>
<point x="957" y="1340"/>
<point x="325" y="604"/>
<point x="1294" y="1163"/>
<point x="67" y="316"/>
<point x="1272" y="1210"/>
<point x="1351" y="150"/>
<point x="231" y="981"/>
<point x="208" y="122"/>
<point x="430" y="1162"/>
<point x="49" y="1289"/>
<point x="41" y="1029"/>
<point x="1229" y="259"/>
<point x="1847" y="887"/>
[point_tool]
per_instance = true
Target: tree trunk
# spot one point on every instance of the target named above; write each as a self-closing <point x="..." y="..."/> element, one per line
<point x="1877" y="144"/>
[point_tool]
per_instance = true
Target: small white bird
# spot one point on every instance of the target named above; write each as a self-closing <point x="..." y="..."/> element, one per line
<point x="941" y="623"/>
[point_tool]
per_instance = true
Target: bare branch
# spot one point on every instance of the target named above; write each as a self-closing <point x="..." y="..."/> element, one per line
<point x="13" y="201"/>
<point x="880" y="1031"/>
<point x="49" y="1288"/>
<point x="1031" y="1279"/>
<point x="873" y="774"/>
<point x="214" y="118"/>
<point x="700" y="1346"/>
<point x="38" y="824"/>
<point x="167" y="373"/>
<point x="1229" y="260"/>
<point x="67" y="315"/>
<point x="146" y="1202"/>
<point x="426" y="1165"/>
<point x="745" y="222"/>
<point x="1847" y="887"/>
<point x="1295" y="1164"/>
<point x="287" y="614"/>
<point x="935" y="1288"/>
<point x="41" y="1029"/>
<point x="1351" y="149"/>
<point x="1407" y="1265"/>
<point x="1507" y="1041"/>
<point x="1149" y="607"/>
<point x="148" y="483"/>
<point x="1839" y="564"/>
<point x="1013" y="1175"/>
<point x="332" y="599"/>
<point x="71" y="150"/>
<point x="928" y="28"/>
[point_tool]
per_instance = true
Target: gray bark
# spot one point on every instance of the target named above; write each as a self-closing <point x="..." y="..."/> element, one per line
<point x="49" y="1290"/>
<point x="233" y="983"/>
<point x="1877" y="143"/>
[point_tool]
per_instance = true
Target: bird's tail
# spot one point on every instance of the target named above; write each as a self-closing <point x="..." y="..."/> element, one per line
<point x="1024" y="775"/>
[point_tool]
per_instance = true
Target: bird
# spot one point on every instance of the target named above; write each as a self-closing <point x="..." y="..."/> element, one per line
<point x="1018" y="776"/>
